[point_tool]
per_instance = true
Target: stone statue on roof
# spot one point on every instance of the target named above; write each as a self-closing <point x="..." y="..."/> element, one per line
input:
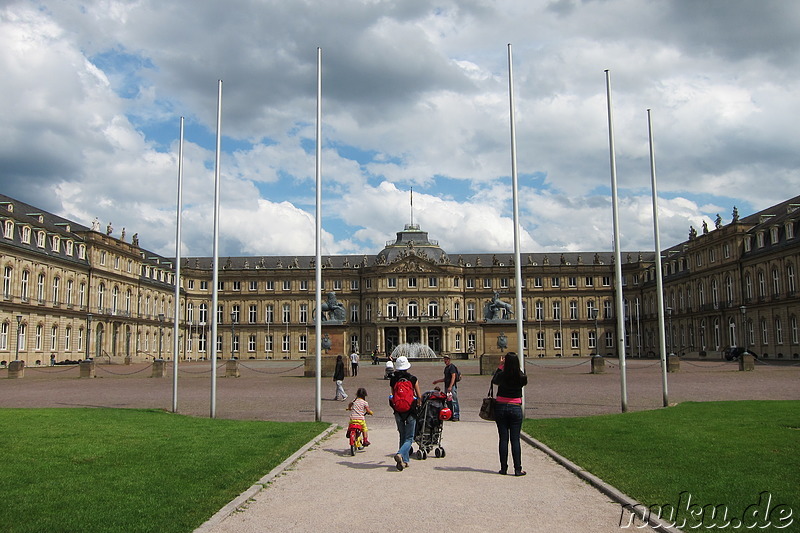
<point x="735" y="214"/>
<point x="718" y="222"/>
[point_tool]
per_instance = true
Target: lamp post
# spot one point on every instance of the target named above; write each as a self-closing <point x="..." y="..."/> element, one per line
<point x="746" y="343"/>
<point x="88" y="334"/>
<point x="669" y="314"/>
<point x="19" y="324"/>
<point x="160" y="333"/>
<point x="596" y="337"/>
<point x="233" y="334"/>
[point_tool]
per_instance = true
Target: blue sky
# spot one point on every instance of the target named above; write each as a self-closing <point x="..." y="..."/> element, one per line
<point x="415" y="95"/>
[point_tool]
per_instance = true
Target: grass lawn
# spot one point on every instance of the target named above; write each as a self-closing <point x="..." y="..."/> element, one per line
<point x="723" y="454"/>
<point x="115" y="470"/>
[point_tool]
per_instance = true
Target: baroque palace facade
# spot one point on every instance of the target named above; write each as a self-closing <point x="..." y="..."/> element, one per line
<point x="72" y="292"/>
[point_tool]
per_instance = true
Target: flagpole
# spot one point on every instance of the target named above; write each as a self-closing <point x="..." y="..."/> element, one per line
<point x="617" y="254"/>
<point x="662" y="341"/>
<point x="318" y="248"/>
<point x="175" y="338"/>
<point x="515" y="201"/>
<point x="212" y="346"/>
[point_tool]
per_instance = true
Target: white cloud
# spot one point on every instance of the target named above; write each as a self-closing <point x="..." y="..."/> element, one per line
<point x="412" y="92"/>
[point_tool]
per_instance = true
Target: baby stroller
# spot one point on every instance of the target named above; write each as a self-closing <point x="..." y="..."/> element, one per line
<point x="430" y="421"/>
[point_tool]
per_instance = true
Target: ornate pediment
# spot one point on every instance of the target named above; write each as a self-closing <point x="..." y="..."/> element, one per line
<point x="413" y="264"/>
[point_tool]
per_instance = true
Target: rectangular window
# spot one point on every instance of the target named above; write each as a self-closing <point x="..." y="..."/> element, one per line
<point x="575" y="342"/>
<point x="303" y="284"/>
<point x="412" y="282"/>
<point x="471" y="312"/>
<point x="540" y="340"/>
<point x="252" y="314"/>
<point x="251" y="343"/>
<point x="237" y="285"/>
<point x="503" y="283"/>
<point x="337" y="284"/>
<point x="606" y="281"/>
<point x="287" y="314"/>
<point x="286" y="343"/>
<point x="433" y="281"/>
<point x="537" y="282"/>
<point x="487" y="283"/>
<point x="270" y="285"/>
<point x="353" y="284"/>
<point x="391" y="283"/>
<point x="557" y="340"/>
<point x="268" y="344"/>
<point x="287" y="285"/>
<point x="573" y="281"/>
<point x="470" y="283"/>
<point x="203" y="285"/>
<point x="302" y="345"/>
<point x="609" y="339"/>
<point x="556" y="310"/>
<point x="220" y="286"/>
<point x="304" y="313"/>
<point x="555" y="282"/>
<point x="269" y="314"/>
<point x="253" y="285"/>
<point x="589" y="281"/>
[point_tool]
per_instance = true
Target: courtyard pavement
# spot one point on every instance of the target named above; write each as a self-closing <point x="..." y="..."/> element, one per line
<point x="323" y="488"/>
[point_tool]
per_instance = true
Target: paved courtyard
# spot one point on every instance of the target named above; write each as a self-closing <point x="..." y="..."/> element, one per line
<point x="277" y="390"/>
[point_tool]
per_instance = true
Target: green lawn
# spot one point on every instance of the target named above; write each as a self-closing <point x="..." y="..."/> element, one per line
<point x="115" y="470"/>
<point x="722" y="454"/>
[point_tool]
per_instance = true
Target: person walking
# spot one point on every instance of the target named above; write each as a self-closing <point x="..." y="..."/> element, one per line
<point x="510" y="380"/>
<point x="404" y="401"/>
<point x="354" y="363"/>
<point x="450" y="381"/>
<point x="338" y="378"/>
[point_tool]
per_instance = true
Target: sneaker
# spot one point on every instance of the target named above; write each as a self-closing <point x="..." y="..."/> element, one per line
<point x="520" y="473"/>
<point x="399" y="460"/>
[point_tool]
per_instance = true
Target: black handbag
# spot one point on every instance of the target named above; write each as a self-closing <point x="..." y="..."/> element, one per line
<point x="487" y="407"/>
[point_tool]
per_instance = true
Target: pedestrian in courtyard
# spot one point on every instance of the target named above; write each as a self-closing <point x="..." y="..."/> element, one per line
<point x="450" y="381"/>
<point x="510" y="379"/>
<point x="404" y="401"/>
<point x="338" y="378"/>
<point x="354" y="363"/>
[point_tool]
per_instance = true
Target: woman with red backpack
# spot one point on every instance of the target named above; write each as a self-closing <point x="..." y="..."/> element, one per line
<point x="404" y="401"/>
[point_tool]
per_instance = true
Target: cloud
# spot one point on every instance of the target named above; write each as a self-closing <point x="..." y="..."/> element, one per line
<point x="415" y="93"/>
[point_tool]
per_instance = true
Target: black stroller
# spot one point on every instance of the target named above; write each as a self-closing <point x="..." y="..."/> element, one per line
<point x="430" y="421"/>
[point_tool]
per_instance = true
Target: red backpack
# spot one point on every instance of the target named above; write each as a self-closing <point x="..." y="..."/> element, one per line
<point x="402" y="395"/>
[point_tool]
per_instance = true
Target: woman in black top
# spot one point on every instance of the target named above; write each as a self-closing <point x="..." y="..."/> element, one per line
<point x="338" y="377"/>
<point x="510" y="380"/>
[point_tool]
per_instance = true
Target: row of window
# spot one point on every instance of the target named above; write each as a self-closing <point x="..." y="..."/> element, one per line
<point x="26" y="233"/>
<point x="393" y="311"/>
<point x="158" y="306"/>
<point x="412" y="282"/>
<point x="681" y="299"/>
<point x="684" y="336"/>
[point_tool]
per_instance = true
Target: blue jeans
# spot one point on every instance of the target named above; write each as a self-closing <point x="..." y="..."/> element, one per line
<point x="508" y="418"/>
<point x="405" y="428"/>
<point x="453" y="405"/>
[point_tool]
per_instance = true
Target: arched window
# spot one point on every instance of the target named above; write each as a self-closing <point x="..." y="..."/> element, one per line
<point x="433" y="308"/>
<point x="413" y="308"/>
<point x="391" y="309"/>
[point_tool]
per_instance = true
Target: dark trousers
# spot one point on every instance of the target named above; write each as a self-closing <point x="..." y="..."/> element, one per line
<point x="508" y="418"/>
<point x="354" y="368"/>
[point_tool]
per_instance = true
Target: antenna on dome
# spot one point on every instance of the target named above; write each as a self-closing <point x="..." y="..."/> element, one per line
<point x="412" y="206"/>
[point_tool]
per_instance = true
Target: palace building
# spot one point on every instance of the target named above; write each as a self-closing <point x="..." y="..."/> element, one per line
<point x="72" y="292"/>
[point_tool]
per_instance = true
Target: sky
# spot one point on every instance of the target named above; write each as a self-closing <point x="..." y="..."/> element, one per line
<point x="415" y="95"/>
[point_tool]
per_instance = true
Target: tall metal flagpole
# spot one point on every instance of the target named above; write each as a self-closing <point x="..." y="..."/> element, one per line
<point x="175" y="339"/>
<point x="211" y="347"/>
<point x="515" y="196"/>
<point x="318" y="249"/>
<point x="623" y="380"/>
<point x="662" y="340"/>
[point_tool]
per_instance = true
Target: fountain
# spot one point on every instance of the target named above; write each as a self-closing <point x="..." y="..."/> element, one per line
<point x="414" y="351"/>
